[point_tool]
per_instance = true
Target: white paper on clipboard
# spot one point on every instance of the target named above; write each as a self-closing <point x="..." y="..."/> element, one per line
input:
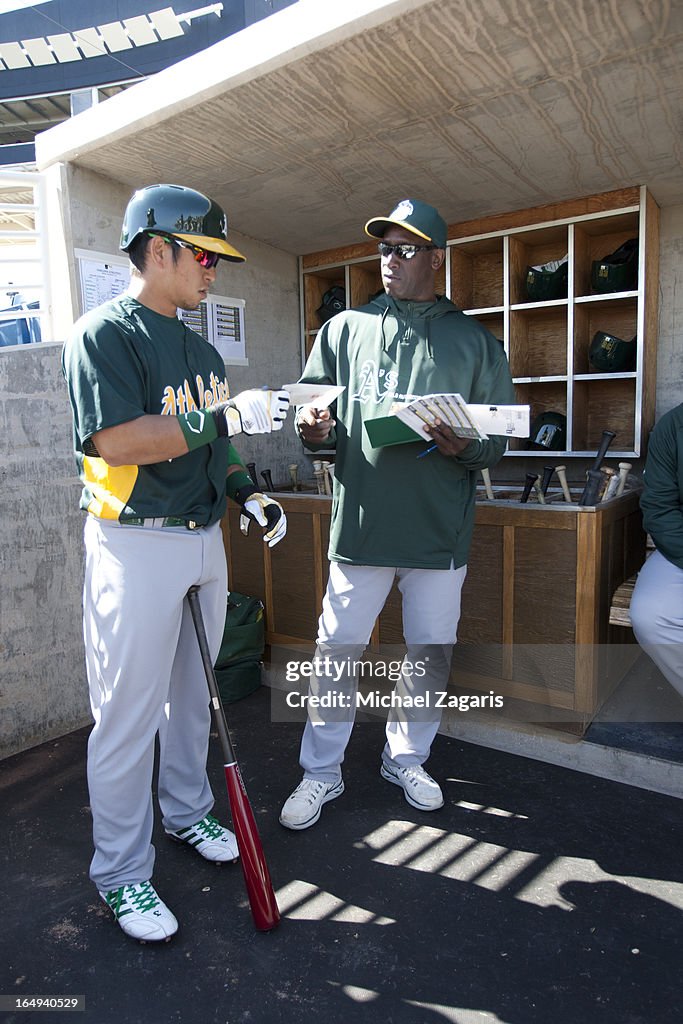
<point x="476" y="421"/>
<point x="319" y="395"/>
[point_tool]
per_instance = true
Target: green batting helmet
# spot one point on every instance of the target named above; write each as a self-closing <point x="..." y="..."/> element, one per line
<point x="549" y="432"/>
<point x="610" y="354"/>
<point x="548" y="281"/>
<point x="181" y="212"/>
<point x="617" y="272"/>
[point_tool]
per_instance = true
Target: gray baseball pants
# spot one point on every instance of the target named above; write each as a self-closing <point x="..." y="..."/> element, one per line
<point x="146" y="677"/>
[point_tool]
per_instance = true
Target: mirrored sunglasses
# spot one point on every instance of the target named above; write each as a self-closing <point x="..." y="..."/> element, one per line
<point x="203" y="257"/>
<point x="404" y="252"/>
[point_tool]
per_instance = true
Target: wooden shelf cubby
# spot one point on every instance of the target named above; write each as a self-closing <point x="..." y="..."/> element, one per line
<point x="547" y="342"/>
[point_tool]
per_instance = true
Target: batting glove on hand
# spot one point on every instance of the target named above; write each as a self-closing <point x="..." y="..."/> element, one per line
<point x="257" y="411"/>
<point x="266" y="512"/>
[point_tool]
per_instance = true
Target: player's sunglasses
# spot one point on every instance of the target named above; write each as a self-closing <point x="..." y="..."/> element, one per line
<point x="404" y="252"/>
<point x="204" y="258"/>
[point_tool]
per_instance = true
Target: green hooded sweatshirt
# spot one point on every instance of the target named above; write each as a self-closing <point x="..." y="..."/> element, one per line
<point x="389" y="507"/>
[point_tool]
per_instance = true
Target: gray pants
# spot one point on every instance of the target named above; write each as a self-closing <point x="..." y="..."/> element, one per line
<point x="657" y="616"/>
<point x="145" y="677"/>
<point x="354" y="598"/>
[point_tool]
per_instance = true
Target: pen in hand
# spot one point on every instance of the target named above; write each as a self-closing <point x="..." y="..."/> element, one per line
<point x="431" y="448"/>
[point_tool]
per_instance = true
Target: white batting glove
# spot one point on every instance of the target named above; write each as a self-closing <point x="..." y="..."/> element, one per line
<point x="267" y="512"/>
<point x="257" y="411"/>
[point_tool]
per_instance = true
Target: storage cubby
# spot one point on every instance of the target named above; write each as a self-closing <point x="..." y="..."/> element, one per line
<point x="534" y="249"/>
<point x="540" y="396"/>
<point x="605" y="404"/>
<point x="595" y="239"/>
<point x="613" y="316"/>
<point x="538" y="341"/>
<point x="477" y="276"/>
<point x="548" y="341"/>
<point x="365" y="281"/>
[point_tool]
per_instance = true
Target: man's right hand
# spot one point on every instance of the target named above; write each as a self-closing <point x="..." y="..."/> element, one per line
<point x="257" y="411"/>
<point x="314" y="425"/>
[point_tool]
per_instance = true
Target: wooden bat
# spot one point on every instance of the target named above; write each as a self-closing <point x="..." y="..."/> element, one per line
<point x="293" y="476"/>
<point x="547" y="476"/>
<point x="611" y="481"/>
<point x="594" y="485"/>
<point x="264" y="908"/>
<point x="251" y="468"/>
<point x="531" y="478"/>
<point x="265" y="473"/>
<point x="562" y="476"/>
<point x="624" y="470"/>
<point x="607" y="438"/>
<point x="539" y="491"/>
<point x="486" y="476"/>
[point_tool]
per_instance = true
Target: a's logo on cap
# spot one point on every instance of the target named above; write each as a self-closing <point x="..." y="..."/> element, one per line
<point x="403" y="210"/>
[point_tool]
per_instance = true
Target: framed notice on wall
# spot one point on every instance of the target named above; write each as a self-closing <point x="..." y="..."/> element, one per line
<point x="102" y="277"/>
<point x="221" y="321"/>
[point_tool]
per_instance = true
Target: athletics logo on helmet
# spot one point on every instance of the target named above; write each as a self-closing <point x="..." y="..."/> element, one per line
<point x="182" y="212"/>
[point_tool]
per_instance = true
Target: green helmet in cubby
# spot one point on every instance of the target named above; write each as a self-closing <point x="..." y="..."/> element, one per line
<point x="610" y="354"/>
<point x="333" y="302"/>
<point x="548" y="281"/>
<point x="548" y="432"/>
<point x="617" y="272"/>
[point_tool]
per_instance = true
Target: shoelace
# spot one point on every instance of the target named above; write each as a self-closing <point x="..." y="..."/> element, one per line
<point x="310" y="789"/>
<point x="209" y="827"/>
<point x="142" y="896"/>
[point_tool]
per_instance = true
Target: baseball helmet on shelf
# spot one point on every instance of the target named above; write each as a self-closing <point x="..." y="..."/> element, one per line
<point x="610" y="354"/>
<point x="617" y="272"/>
<point x="548" y="432"/>
<point x="334" y="301"/>
<point x="548" y="281"/>
<point x="181" y="212"/>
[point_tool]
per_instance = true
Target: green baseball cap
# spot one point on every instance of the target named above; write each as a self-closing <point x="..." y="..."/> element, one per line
<point x="417" y="217"/>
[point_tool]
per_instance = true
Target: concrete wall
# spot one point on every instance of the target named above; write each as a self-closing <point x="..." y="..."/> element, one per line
<point x="42" y="687"/>
<point x="670" y="341"/>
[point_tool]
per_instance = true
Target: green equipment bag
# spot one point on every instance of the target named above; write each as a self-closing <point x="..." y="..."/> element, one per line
<point x="240" y="659"/>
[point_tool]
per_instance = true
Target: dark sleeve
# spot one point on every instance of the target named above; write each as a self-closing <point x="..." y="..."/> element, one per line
<point x="661" y="499"/>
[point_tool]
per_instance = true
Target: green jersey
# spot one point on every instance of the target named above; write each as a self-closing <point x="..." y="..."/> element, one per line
<point x="662" y="499"/>
<point x="389" y="507"/>
<point x="123" y="361"/>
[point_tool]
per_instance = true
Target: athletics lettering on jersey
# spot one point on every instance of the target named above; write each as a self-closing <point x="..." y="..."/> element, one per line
<point x="176" y="401"/>
<point x="377" y="385"/>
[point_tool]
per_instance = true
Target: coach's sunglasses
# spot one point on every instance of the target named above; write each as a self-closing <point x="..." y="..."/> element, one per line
<point x="404" y="252"/>
<point x="203" y="257"/>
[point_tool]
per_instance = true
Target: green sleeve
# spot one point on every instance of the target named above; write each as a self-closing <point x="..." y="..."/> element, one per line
<point x="320" y="368"/>
<point x="494" y="387"/>
<point x="661" y="499"/>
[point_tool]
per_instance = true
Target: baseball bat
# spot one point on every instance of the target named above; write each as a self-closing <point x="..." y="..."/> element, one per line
<point x="624" y="470"/>
<point x="486" y="476"/>
<point x="531" y="479"/>
<point x="540" y="496"/>
<point x="611" y="480"/>
<point x="594" y="484"/>
<point x="294" y="475"/>
<point x="264" y="908"/>
<point x="265" y="473"/>
<point x="547" y="476"/>
<point x="251" y="468"/>
<point x="562" y="476"/>
<point x="607" y="438"/>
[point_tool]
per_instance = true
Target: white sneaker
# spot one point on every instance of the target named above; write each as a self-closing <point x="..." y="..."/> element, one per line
<point x="210" y="839"/>
<point x="418" y="786"/>
<point x="302" y="809"/>
<point x="140" y="912"/>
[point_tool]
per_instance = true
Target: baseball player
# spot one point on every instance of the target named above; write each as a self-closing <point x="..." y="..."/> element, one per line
<point x="153" y="422"/>
<point x="395" y="515"/>
<point x="657" y="602"/>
